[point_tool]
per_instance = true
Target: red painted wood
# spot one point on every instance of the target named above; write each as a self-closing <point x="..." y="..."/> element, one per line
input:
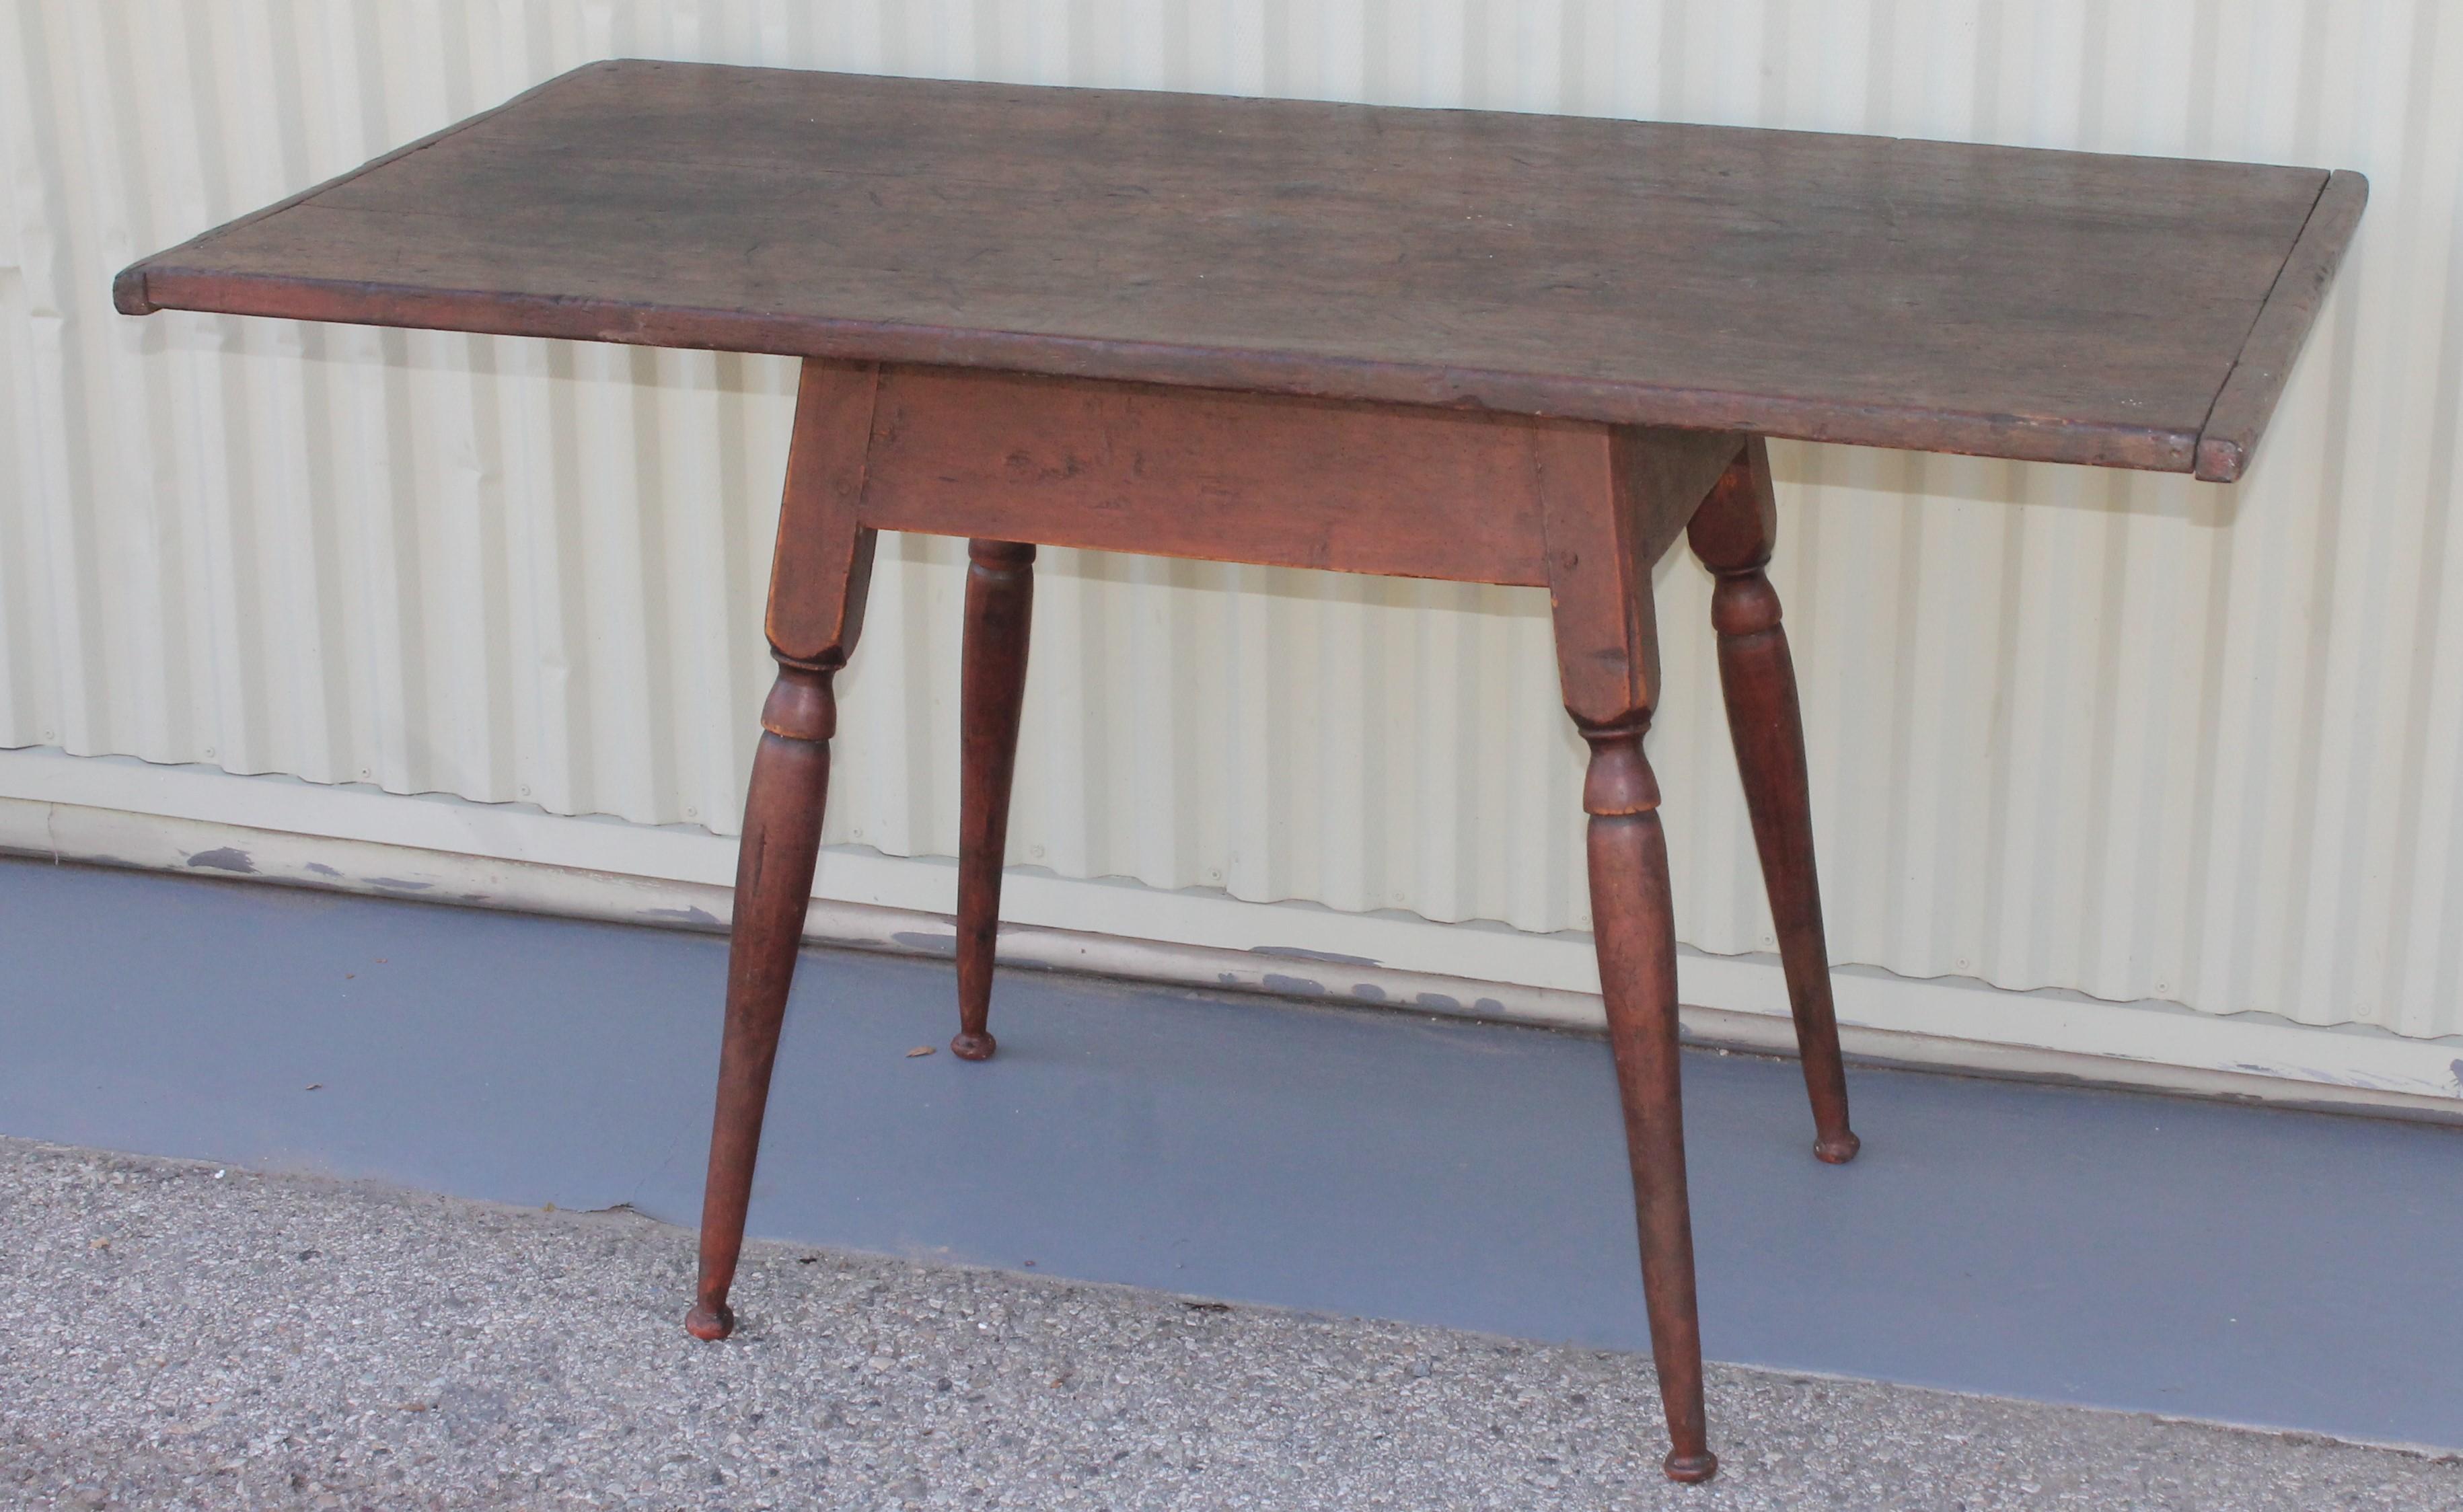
<point x="1000" y="602"/>
<point x="1394" y="489"/>
<point x="1611" y="511"/>
<point x="2058" y="306"/>
<point x="2281" y="329"/>
<point x="1734" y="533"/>
<point x="822" y="568"/>
<point x="1633" y="921"/>
<point x="1613" y="504"/>
<point x="817" y="591"/>
<point x="774" y="883"/>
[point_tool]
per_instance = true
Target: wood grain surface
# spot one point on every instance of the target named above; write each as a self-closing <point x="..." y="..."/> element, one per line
<point x="2001" y="301"/>
<point x="1392" y="489"/>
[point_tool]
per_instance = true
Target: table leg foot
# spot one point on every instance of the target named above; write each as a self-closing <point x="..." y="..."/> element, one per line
<point x="976" y="1045"/>
<point x="1690" y="1469"/>
<point x="992" y="690"/>
<point x="710" y="1321"/>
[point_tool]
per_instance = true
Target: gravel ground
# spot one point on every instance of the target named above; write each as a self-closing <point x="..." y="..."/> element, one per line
<point x="176" y="1335"/>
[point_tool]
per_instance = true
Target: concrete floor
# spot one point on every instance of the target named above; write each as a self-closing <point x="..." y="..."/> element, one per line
<point x="2116" y="1250"/>
<point x="179" y="1335"/>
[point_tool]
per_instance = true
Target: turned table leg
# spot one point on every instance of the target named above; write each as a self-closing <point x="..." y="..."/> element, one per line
<point x="1734" y="533"/>
<point x="817" y="591"/>
<point x="1634" y="925"/>
<point x="1000" y="597"/>
<point x="773" y="882"/>
<point x="1610" y="512"/>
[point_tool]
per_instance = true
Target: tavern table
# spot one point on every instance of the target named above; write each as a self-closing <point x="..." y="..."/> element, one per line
<point x="1492" y="347"/>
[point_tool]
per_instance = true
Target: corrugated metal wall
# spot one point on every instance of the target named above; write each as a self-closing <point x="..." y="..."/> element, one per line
<point x="2135" y="736"/>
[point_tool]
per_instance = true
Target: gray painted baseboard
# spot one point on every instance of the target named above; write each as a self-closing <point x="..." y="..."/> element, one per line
<point x="186" y="820"/>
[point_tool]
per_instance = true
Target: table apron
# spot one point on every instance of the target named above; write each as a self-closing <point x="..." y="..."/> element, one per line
<point x="1395" y="490"/>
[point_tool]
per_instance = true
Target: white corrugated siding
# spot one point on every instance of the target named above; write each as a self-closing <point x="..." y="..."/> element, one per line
<point x="2136" y="736"/>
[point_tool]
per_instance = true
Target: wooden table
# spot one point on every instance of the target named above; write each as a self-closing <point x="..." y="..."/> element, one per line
<point x="1491" y="347"/>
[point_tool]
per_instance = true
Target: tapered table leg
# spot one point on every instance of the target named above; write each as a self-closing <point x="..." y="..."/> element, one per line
<point x="1000" y="598"/>
<point x="818" y="585"/>
<point x="1610" y="512"/>
<point x="1634" y="925"/>
<point x="1734" y="533"/>
<point x="774" y="884"/>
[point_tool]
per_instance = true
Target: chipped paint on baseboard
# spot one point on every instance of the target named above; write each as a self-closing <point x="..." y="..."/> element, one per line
<point x="1296" y="953"/>
<point x="697" y="917"/>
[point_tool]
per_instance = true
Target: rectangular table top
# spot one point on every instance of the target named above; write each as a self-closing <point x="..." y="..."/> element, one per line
<point x="2054" y="306"/>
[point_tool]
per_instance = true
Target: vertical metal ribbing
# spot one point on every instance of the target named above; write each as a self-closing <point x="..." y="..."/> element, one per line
<point x="2136" y="737"/>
